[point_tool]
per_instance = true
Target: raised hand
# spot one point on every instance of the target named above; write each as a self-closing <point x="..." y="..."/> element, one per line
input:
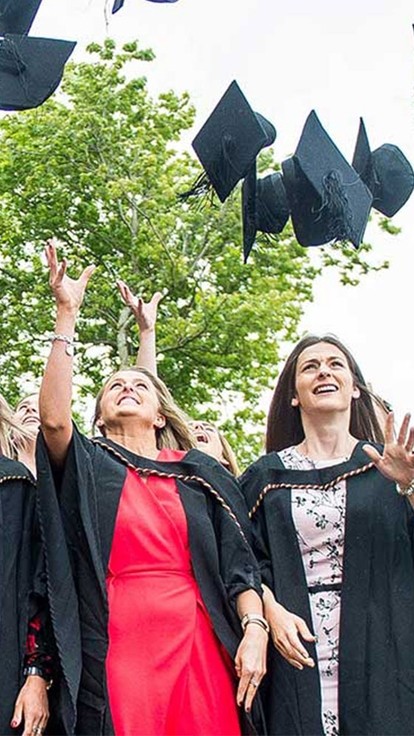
<point x="397" y="459"/>
<point x="68" y="292"/>
<point x="145" y="313"/>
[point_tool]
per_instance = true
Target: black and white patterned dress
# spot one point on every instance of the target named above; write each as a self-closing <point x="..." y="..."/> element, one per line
<point x="319" y="519"/>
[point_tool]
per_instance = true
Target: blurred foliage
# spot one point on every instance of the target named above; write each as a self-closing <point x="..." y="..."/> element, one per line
<point x="99" y="167"/>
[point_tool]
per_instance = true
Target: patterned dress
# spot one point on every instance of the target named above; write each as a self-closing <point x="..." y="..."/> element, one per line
<point x="319" y="519"/>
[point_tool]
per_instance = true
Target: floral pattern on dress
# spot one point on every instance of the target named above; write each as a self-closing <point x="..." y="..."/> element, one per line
<point x="319" y="519"/>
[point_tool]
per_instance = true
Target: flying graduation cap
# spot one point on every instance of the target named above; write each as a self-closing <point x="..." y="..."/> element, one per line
<point x="16" y="16"/>
<point x="119" y="3"/>
<point x="386" y="172"/>
<point x="264" y="207"/>
<point x="328" y="200"/>
<point x="30" y="68"/>
<point x="228" y="143"/>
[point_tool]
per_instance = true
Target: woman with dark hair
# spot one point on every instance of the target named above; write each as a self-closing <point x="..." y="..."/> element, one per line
<point x="284" y="424"/>
<point x="156" y="589"/>
<point x="333" y="525"/>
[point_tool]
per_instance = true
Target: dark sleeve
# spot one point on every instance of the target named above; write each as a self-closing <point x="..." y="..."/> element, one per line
<point x="39" y="649"/>
<point x="251" y="483"/>
<point x="238" y="566"/>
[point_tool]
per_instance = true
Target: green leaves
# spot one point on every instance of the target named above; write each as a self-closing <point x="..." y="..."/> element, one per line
<point x="96" y="167"/>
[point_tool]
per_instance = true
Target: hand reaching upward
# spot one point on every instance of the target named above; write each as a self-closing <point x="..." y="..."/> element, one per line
<point x="68" y="292"/>
<point x="145" y="313"/>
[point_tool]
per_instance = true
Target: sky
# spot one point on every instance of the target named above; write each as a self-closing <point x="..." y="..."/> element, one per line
<point x="343" y="59"/>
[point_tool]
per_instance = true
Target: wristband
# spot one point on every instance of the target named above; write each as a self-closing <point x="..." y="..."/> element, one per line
<point x="28" y="671"/>
<point x="254" y="618"/>
<point x="406" y="490"/>
<point x="69" y="350"/>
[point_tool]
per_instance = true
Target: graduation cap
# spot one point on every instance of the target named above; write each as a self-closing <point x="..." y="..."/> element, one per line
<point x="264" y="207"/>
<point x="386" y="172"/>
<point x="16" y="16"/>
<point x="119" y="3"/>
<point x="30" y="69"/>
<point x="228" y="143"/>
<point x="328" y="200"/>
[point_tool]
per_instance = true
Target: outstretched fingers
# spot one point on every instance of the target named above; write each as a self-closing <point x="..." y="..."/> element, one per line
<point x="126" y="294"/>
<point x="410" y="442"/>
<point x="372" y="453"/>
<point x="389" y="435"/>
<point x="402" y="434"/>
<point x="86" y="273"/>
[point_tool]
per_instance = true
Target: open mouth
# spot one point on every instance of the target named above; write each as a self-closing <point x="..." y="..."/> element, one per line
<point x="325" y="388"/>
<point x="128" y="400"/>
<point x="201" y="438"/>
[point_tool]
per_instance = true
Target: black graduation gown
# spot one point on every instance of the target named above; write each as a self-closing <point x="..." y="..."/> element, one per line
<point x="21" y="579"/>
<point x="83" y="513"/>
<point x="376" y="649"/>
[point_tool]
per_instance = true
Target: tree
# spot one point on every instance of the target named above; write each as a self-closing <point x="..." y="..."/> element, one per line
<point x="97" y="166"/>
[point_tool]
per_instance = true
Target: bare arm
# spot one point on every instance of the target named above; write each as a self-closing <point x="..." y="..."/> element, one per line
<point x="250" y="658"/>
<point x="145" y="314"/>
<point x="56" y="390"/>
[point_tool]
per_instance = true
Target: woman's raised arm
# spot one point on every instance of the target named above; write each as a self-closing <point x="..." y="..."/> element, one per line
<point x="145" y="314"/>
<point x="56" y="390"/>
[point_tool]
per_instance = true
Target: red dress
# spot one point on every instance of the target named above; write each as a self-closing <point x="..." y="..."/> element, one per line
<point x="167" y="672"/>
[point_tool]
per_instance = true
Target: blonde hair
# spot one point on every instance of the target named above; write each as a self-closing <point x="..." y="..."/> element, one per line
<point x="11" y="431"/>
<point x="175" y="435"/>
<point x="228" y="455"/>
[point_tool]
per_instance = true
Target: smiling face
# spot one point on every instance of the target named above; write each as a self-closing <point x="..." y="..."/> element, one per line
<point x="27" y="412"/>
<point x="130" y="396"/>
<point x="323" y="380"/>
<point x="208" y="439"/>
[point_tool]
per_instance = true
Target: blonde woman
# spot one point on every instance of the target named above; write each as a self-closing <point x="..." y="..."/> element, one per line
<point x="26" y="662"/>
<point x="209" y="439"/>
<point x="165" y="584"/>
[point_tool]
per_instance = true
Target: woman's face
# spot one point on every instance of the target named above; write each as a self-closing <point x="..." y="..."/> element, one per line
<point x="323" y="381"/>
<point x="207" y="438"/>
<point x="27" y="412"/>
<point x="130" y="396"/>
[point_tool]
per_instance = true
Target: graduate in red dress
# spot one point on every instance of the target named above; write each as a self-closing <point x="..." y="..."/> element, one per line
<point x="155" y="593"/>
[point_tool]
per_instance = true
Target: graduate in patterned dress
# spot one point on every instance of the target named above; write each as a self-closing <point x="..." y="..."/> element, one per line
<point x="333" y="523"/>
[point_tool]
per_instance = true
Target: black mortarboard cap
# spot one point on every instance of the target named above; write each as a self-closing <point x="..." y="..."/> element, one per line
<point x="264" y="207"/>
<point x="119" y="3"/>
<point x="328" y="200"/>
<point x="229" y="141"/>
<point x="386" y="172"/>
<point x="16" y="16"/>
<point x="30" y="69"/>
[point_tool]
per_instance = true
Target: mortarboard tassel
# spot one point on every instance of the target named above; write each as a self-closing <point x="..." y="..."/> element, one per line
<point x="335" y="204"/>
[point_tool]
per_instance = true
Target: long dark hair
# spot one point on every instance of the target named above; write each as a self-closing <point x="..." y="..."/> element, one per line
<point x="284" y="424"/>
